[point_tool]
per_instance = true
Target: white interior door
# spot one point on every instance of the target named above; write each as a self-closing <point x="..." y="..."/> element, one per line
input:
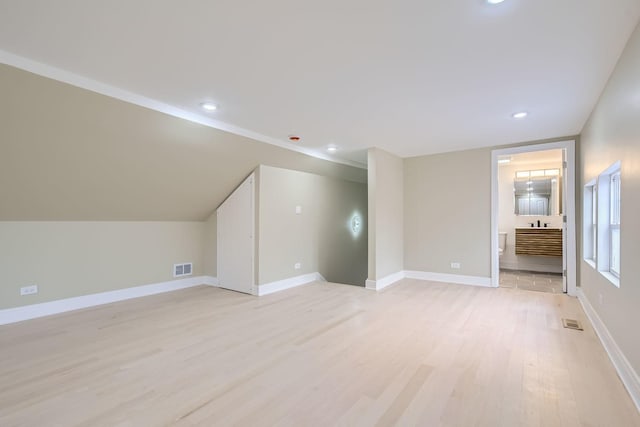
<point x="235" y="224"/>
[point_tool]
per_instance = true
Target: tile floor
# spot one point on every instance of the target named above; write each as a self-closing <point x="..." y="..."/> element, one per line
<point x="531" y="281"/>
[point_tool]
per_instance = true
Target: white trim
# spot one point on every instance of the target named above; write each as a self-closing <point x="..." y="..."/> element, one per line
<point x="625" y="371"/>
<point x="612" y="278"/>
<point x="18" y="314"/>
<point x="133" y="98"/>
<point x="209" y="280"/>
<point x="291" y="282"/>
<point x="376" y="285"/>
<point x="382" y="283"/>
<point x="449" y="278"/>
<point x="570" y="210"/>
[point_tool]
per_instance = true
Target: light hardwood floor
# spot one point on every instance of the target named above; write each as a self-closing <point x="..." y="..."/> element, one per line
<point x="417" y="353"/>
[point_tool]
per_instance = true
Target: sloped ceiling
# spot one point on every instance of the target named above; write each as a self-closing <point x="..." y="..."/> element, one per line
<point x="71" y="154"/>
<point x="412" y="77"/>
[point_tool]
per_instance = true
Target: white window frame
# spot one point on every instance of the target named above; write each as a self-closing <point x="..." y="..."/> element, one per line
<point x="590" y="225"/>
<point x="604" y="226"/>
<point x="614" y="222"/>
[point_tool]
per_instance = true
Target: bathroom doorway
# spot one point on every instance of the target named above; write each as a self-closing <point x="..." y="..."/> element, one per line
<point x="533" y="218"/>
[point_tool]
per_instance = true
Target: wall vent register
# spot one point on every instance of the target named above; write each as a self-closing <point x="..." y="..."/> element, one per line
<point x="572" y="324"/>
<point x="180" y="270"/>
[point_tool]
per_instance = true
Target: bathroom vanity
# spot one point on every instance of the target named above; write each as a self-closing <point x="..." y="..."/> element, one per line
<point x="539" y="241"/>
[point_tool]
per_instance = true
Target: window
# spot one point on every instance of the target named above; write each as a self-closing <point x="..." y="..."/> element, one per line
<point x="614" y="225"/>
<point x="608" y="231"/>
<point x="590" y="228"/>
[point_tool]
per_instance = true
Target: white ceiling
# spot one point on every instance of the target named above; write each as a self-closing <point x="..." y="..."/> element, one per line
<point x="410" y="76"/>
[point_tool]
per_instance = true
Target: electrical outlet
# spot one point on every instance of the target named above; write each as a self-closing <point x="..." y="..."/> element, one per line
<point x="297" y="266"/>
<point x="455" y="265"/>
<point x="29" y="290"/>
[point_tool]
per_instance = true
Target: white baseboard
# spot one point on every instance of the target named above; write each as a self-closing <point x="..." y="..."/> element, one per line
<point x="291" y="282"/>
<point x="382" y="283"/>
<point x="376" y="285"/>
<point x="209" y="280"/>
<point x="449" y="278"/>
<point x="18" y="314"/>
<point x="625" y="371"/>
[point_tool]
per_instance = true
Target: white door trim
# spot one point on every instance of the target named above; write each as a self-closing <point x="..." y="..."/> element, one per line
<point x="570" y="209"/>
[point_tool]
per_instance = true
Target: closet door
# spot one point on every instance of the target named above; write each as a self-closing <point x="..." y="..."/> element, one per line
<point x="235" y="224"/>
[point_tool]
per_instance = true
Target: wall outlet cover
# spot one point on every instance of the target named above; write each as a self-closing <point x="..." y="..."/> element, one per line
<point x="455" y="265"/>
<point x="29" y="290"/>
<point x="297" y="266"/>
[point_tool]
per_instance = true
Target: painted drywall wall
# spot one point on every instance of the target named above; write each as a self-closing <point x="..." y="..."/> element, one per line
<point x="68" y="154"/>
<point x="385" y="214"/>
<point x="508" y="221"/>
<point x="69" y="259"/>
<point x="447" y="212"/>
<point x="320" y="237"/>
<point x="210" y="247"/>
<point x="612" y="133"/>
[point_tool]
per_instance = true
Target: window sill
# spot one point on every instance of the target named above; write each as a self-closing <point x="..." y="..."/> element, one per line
<point x="591" y="262"/>
<point x="610" y="277"/>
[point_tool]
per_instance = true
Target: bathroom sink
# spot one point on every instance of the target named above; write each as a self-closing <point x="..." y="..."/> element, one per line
<point x="538" y="228"/>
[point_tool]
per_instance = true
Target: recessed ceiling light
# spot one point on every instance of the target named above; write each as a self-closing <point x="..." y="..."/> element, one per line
<point x="332" y="148"/>
<point x="520" y="115"/>
<point x="208" y="106"/>
<point x="494" y="1"/>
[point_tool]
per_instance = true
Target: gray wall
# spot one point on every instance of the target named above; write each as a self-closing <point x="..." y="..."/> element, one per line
<point x="447" y="212"/>
<point x="319" y="238"/>
<point x="613" y="133"/>
<point x="133" y="189"/>
<point x="385" y="214"/>
<point x="68" y="154"/>
<point x="210" y="246"/>
<point x="69" y="259"/>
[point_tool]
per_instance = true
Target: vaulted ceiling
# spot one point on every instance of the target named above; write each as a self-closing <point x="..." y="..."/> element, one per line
<point x="410" y="76"/>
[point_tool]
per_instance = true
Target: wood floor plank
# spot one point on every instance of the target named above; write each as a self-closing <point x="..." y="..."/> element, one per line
<point x="417" y="353"/>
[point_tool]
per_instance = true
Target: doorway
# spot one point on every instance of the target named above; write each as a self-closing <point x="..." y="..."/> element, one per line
<point x="538" y="214"/>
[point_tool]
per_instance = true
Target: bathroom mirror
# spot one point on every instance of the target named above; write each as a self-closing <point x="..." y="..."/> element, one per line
<point x="537" y="193"/>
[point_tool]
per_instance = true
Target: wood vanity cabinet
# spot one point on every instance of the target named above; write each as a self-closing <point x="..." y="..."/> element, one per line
<point x="539" y="241"/>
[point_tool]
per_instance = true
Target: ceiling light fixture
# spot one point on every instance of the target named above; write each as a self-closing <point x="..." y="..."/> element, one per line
<point x="520" y="115"/>
<point x="494" y="1"/>
<point x="332" y="148"/>
<point x="208" y="106"/>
